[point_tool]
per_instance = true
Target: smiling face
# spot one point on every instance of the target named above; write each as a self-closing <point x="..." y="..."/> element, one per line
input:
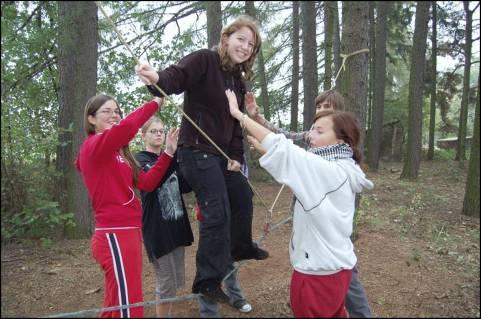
<point x="322" y="133"/>
<point x="240" y="45"/>
<point x="107" y="115"/>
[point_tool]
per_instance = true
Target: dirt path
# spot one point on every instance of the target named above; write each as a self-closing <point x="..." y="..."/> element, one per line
<point x="418" y="257"/>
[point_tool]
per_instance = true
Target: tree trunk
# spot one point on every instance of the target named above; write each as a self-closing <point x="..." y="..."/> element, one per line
<point x="372" y="50"/>
<point x="295" y="67"/>
<point x="416" y="83"/>
<point x="432" y="111"/>
<point x="463" y="116"/>
<point x="214" y="22"/>
<point x="336" y="41"/>
<point x="251" y="10"/>
<point x="328" y="34"/>
<point x="309" y="60"/>
<point x="354" y="79"/>
<point x="78" y="38"/>
<point x="471" y="196"/>
<point x="379" y="80"/>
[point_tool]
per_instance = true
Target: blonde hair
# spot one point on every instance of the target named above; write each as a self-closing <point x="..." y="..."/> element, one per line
<point x="226" y="62"/>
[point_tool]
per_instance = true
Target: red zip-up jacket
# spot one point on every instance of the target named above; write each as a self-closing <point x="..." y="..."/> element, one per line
<point x="109" y="178"/>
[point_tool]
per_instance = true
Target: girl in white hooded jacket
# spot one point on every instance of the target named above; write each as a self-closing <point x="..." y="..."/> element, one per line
<point x="325" y="180"/>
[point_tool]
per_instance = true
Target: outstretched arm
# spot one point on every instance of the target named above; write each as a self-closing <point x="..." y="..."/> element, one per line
<point x="256" y="130"/>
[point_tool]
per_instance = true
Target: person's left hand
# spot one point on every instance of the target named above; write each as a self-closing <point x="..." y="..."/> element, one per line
<point x="171" y="141"/>
<point x="233" y="166"/>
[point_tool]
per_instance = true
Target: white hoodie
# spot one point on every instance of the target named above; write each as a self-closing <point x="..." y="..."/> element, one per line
<point x="324" y="209"/>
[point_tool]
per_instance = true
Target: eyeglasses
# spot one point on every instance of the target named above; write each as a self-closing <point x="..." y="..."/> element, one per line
<point x="155" y="132"/>
<point x="110" y="112"/>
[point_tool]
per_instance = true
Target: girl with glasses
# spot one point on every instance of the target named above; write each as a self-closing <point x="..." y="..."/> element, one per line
<point x="111" y="175"/>
<point x="165" y="223"/>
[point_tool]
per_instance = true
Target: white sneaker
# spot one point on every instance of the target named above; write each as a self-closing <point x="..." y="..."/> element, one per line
<point x="245" y="308"/>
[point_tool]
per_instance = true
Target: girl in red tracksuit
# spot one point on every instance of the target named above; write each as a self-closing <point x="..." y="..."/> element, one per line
<point x="110" y="174"/>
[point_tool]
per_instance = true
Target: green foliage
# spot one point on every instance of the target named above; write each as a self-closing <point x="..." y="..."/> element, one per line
<point x="37" y="221"/>
<point x="444" y="154"/>
<point x="30" y="83"/>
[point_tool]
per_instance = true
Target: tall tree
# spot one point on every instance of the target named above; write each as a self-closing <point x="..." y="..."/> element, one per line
<point x="463" y="116"/>
<point x="78" y="38"/>
<point x="416" y="82"/>
<point x="336" y="40"/>
<point x="372" y="48"/>
<point x="251" y="10"/>
<point x="471" y="195"/>
<point x="214" y="22"/>
<point x="432" y="112"/>
<point x="309" y="60"/>
<point x="379" y="80"/>
<point x="328" y="35"/>
<point x="295" y="67"/>
<point x="354" y="79"/>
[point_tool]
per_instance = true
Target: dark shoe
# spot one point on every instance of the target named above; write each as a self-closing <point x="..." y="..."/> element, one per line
<point x="215" y="294"/>
<point x="255" y="253"/>
<point x="261" y="254"/>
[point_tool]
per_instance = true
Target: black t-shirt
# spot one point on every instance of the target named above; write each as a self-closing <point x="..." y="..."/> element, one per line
<point x="165" y="221"/>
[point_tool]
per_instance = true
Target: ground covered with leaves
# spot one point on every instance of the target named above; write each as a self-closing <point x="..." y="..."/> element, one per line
<point x="418" y="256"/>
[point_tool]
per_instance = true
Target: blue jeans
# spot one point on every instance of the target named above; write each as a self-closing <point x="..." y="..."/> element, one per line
<point x="205" y="174"/>
<point x="356" y="299"/>
<point x="208" y="309"/>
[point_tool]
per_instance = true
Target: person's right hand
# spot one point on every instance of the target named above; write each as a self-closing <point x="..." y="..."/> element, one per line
<point x="251" y="105"/>
<point x="146" y="73"/>
<point x="233" y="106"/>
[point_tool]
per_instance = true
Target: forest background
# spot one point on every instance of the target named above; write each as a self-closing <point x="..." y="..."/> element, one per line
<point x="415" y="90"/>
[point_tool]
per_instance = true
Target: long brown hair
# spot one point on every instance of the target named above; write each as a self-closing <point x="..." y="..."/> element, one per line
<point x="225" y="61"/>
<point x="346" y="127"/>
<point x="91" y="108"/>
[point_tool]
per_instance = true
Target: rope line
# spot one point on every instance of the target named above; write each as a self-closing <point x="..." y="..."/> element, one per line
<point x="82" y="313"/>
<point x="134" y="305"/>
<point x="343" y="65"/>
<point x="175" y="104"/>
<point x="267" y="228"/>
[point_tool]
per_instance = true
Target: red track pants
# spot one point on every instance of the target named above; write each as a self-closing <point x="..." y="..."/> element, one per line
<point x="119" y="253"/>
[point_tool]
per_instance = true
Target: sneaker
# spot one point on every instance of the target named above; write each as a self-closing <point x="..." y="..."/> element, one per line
<point x="215" y="294"/>
<point x="243" y="306"/>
